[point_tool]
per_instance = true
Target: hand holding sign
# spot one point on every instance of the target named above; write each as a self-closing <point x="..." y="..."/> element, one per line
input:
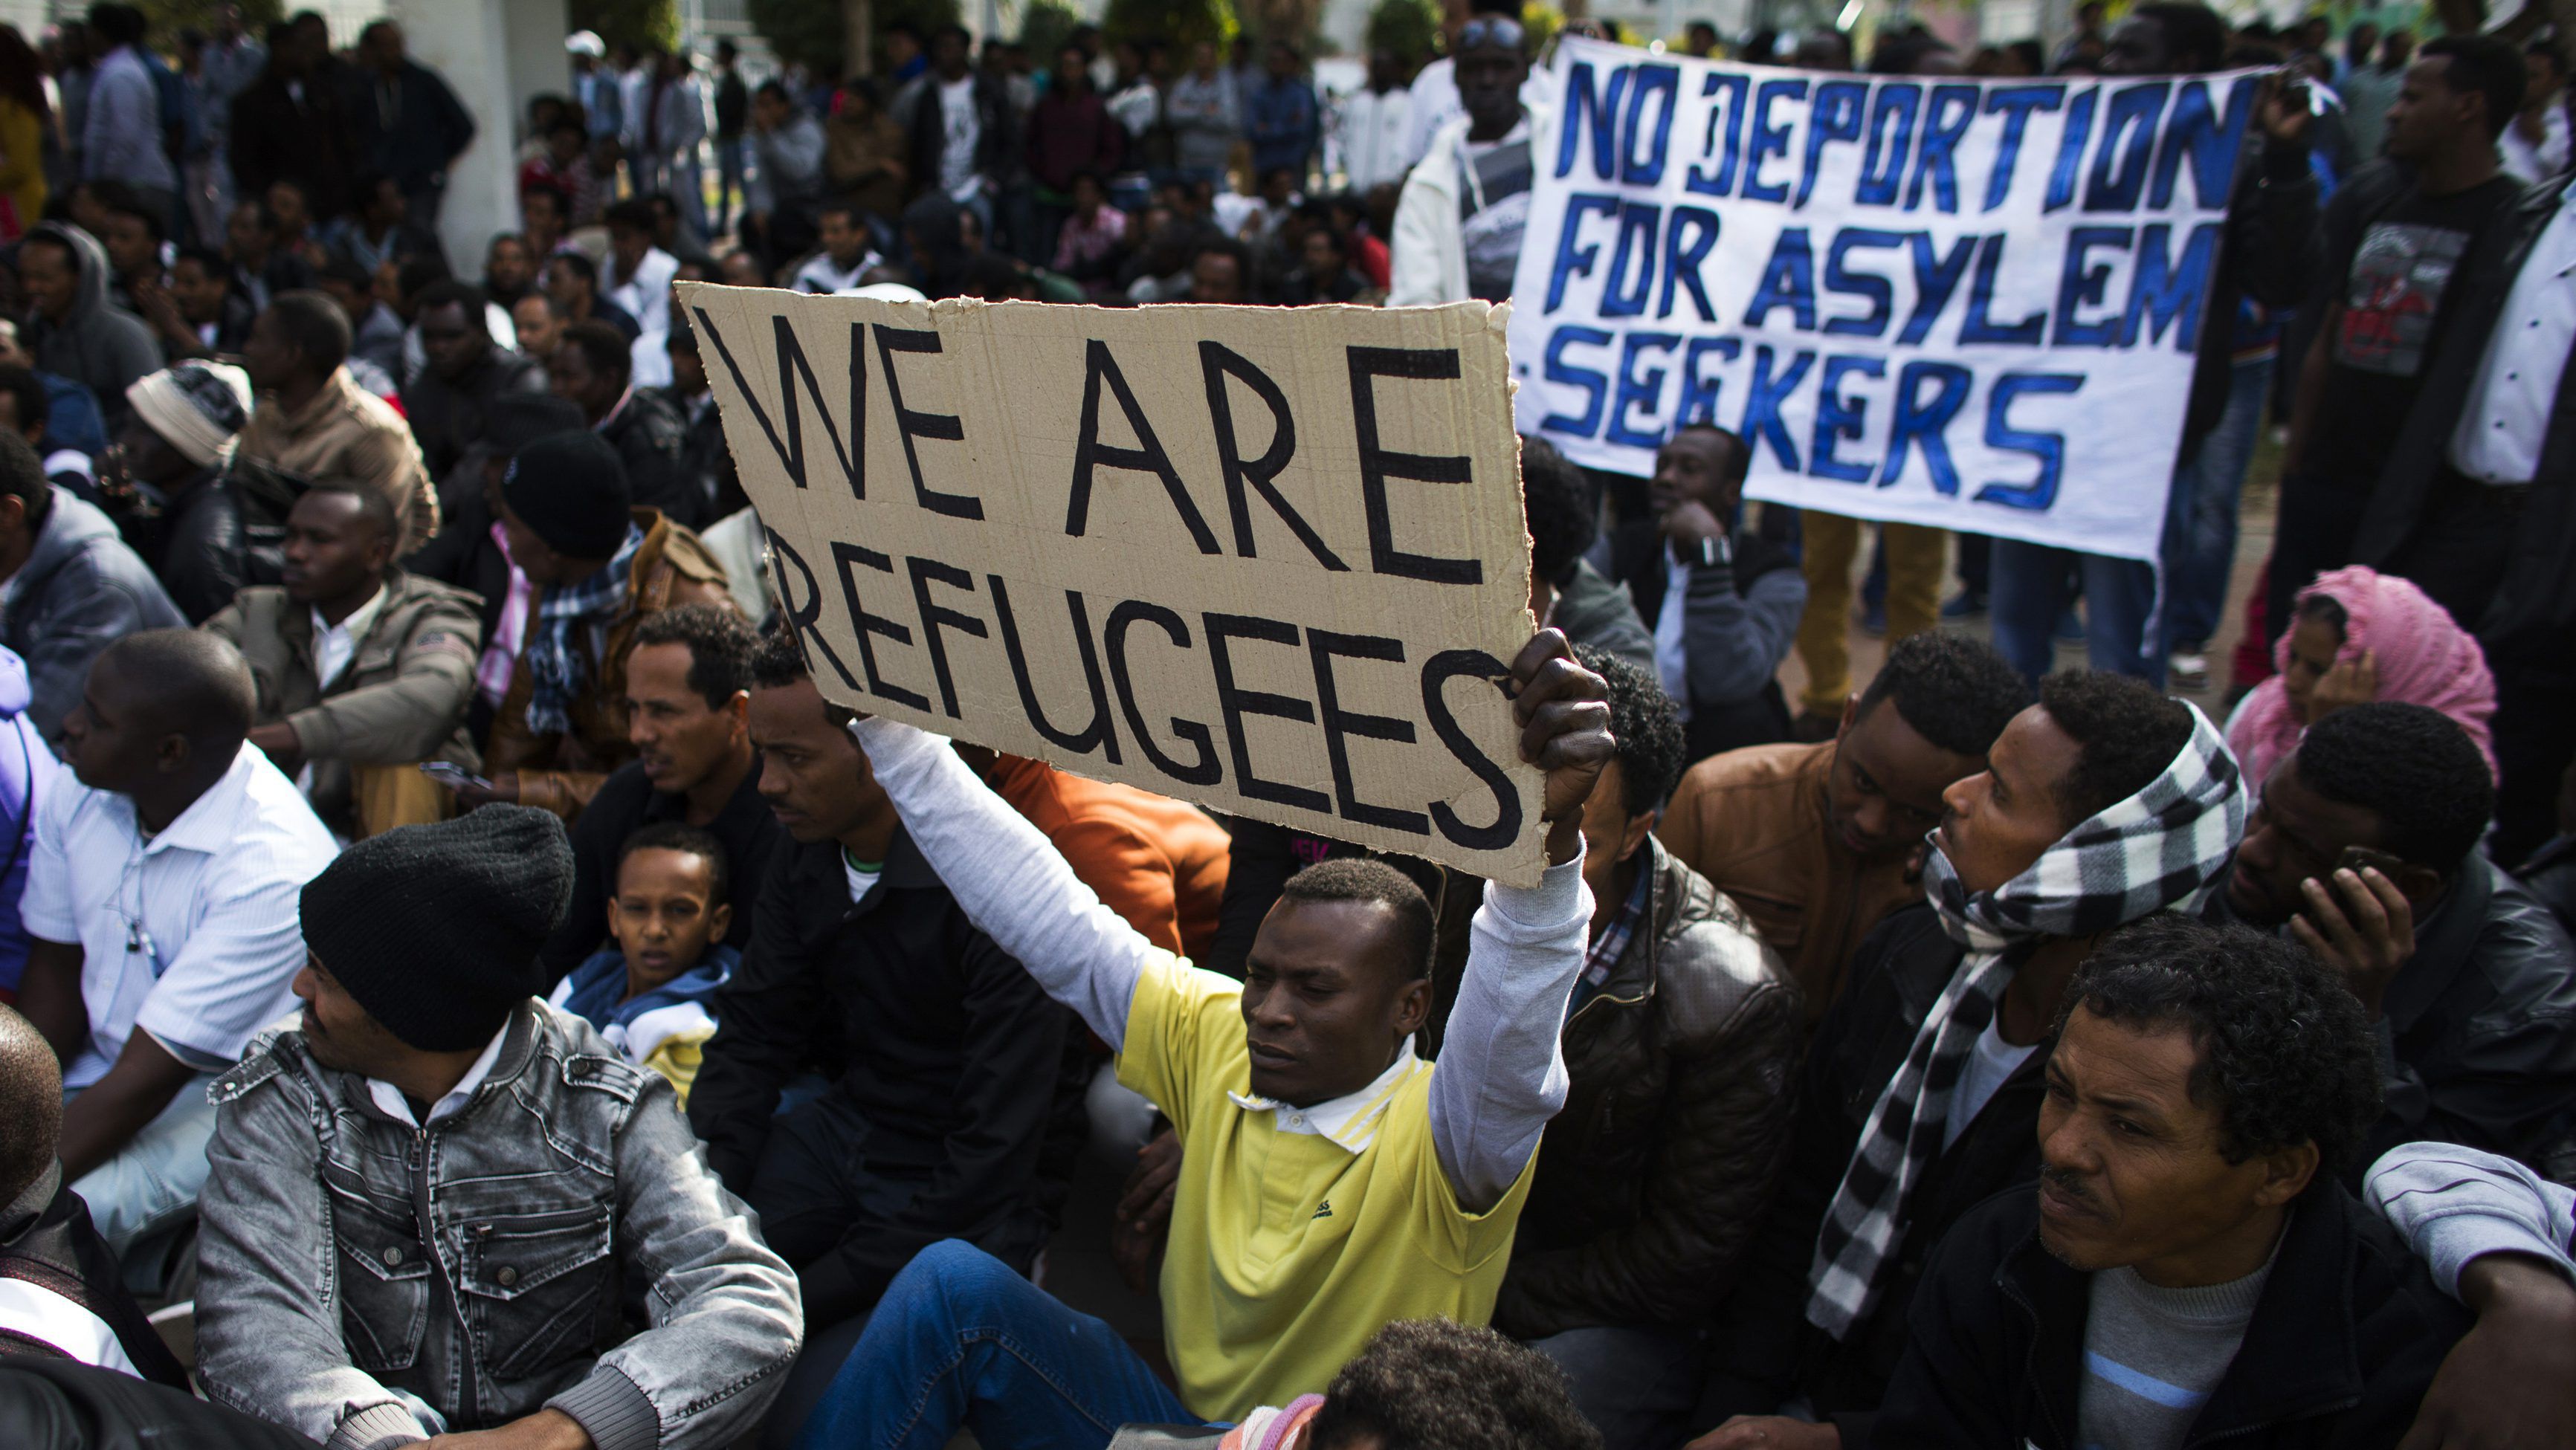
<point x="1564" y="714"/>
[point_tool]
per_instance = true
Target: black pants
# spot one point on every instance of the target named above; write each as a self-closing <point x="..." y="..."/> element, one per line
<point x="827" y="1176"/>
<point x="2535" y="740"/>
<point x="2459" y="549"/>
<point x="2312" y="534"/>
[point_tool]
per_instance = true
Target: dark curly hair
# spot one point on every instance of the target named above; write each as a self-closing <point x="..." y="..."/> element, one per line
<point x="1358" y="878"/>
<point x="1646" y="728"/>
<point x="720" y="644"/>
<point x="2129" y="730"/>
<point x="780" y="662"/>
<point x="2410" y="765"/>
<point x="1557" y="500"/>
<point x="2286" y="1054"/>
<point x="1953" y="689"/>
<point x="1432" y="1384"/>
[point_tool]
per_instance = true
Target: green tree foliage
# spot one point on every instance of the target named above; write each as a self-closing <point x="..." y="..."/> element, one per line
<point x="1044" y="24"/>
<point x="1179" y="24"/>
<point x="808" y="32"/>
<point x="628" y="22"/>
<point x="1409" y="28"/>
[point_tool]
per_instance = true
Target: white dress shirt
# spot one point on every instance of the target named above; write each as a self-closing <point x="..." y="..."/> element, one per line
<point x="334" y="645"/>
<point x="2506" y="421"/>
<point x="2536" y="161"/>
<point x="190" y="934"/>
<point x="1370" y="133"/>
<point x="1672" y="659"/>
<point x="390" y="1098"/>
<point x="1352" y="1119"/>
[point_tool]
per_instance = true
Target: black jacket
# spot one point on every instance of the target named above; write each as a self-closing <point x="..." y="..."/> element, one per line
<point x="1653" y="1176"/>
<point x="47" y="1241"/>
<point x="196" y="545"/>
<point x="447" y="416"/>
<point x="997" y="139"/>
<point x="939" y="1039"/>
<point x="54" y="1404"/>
<point x="2530" y="625"/>
<point x="2482" y="1024"/>
<point x="651" y="441"/>
<point x="626" y="803"/>
<point x="2270" y="255"/>
<point x="408" y="125"/>
<point x="278" y="137"/>
<point x="1762" y="1344"/>
<point x="2346" y="1337"/>
<point x="705" y="459"/>
<point x="463" y="554"/>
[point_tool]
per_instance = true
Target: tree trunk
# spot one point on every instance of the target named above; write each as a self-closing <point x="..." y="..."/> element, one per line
<point x="858" y="38"/>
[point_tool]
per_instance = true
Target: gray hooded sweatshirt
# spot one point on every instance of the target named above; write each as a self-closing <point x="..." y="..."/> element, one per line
<point x="98" y="344"/>
<point x="80" y="591"/>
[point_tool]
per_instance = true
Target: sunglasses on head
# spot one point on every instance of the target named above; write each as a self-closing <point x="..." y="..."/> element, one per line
<point x="1491" y="30"/>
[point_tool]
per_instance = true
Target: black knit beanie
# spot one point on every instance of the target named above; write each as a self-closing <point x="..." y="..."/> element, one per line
<point x="435" y="929"/>
<point x="571" y="490"/>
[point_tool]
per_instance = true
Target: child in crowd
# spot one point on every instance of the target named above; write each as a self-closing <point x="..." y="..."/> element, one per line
<point x="648" y="993"/>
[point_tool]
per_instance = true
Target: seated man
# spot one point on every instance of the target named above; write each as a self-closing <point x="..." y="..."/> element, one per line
<point x="2103" y="803"/>
<point x="688" y="696"/>
<point x="74" y="328"/>
<point x="2365" y="849"/>
<point x="1817" y="842"/>
<point x="64" y="1296"/>
<point x="846" y="255"/>
<point x="705" y="459"/>
<point x="953" y="1080"/>
<point x="161" y="897"/>
<point x="363" y="670"/>
<point x="2189" y="1268"/>
<point x="1681" y="1040"/>
<point x="463" y="369"/>
<point x="1566" y="592"/>
<point x="594" y="367"/>
<point x="637" y="278"/>
<point x="572" y="280"/>
<point x="72" y="587"/>
<point x="599" y="569"/>
<point x="1722" y="602"/>
<point x="593" y="1284"/>
<point x="315" y="422"/>
<point x="165" y="482"/>
<point x="1298" y="1087"/>
<point x="648" y="991"/>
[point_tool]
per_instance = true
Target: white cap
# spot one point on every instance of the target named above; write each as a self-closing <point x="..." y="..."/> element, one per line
<point x="585" y="42"/>
<point x="885" y="292"/>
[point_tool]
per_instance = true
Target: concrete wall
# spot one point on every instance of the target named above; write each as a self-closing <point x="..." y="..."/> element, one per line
<point x="496" y="54"/>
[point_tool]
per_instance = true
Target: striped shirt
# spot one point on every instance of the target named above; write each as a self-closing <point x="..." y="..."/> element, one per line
<point x="190" y="934"/>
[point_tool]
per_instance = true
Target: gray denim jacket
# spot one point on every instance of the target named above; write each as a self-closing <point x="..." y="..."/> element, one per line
<point x="579" y="1253"/>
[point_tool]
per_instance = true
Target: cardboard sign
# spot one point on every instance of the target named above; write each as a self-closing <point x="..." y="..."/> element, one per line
<point x="1267" y="559"/>
<point x="1972" y="305"/>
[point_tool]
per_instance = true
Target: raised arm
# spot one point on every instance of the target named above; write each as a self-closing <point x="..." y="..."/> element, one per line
<point x="1011" y="882"/>
<point x="1501" y="1075"/>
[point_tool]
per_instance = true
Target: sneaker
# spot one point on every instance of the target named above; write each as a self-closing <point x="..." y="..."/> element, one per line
<point x="2188" y="668"/>
<point x="1966" y="604"/>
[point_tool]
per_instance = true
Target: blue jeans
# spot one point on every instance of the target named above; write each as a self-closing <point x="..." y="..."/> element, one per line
<point x="960" y="1341"/>
<point x="2200" y="537"/>
<point x="2028" y="590"/>
<point x="153" y="1181"/>
<point x="1636" y="1386"/>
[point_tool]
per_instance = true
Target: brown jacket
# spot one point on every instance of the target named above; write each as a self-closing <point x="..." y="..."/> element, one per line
<point x="1755" y="823"/>
<point x="561" y="771"/>
<point x="1660" y="1166"/>
<point x="865" y="160"/>
<point x="344" y="431"/>
<point x="401" y="699"/>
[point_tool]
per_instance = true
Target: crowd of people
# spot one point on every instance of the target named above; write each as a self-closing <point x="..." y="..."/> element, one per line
<point x="468" y="974"/>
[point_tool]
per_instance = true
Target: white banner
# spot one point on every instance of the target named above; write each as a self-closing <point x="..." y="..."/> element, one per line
<point x="1968" y="304"/>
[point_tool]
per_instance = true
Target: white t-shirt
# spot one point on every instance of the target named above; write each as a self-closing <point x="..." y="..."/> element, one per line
<point x="960" y="130"/>
<point x="862" y="881"/>
<point x="189" y="934"/>
<point x="1990" y="1064"/>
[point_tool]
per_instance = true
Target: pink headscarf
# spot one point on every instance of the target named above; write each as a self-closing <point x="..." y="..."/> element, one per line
<point x="2422" y="656"/>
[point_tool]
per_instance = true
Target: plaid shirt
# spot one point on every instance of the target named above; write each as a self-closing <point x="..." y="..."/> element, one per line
<point x="1612" y="944"/>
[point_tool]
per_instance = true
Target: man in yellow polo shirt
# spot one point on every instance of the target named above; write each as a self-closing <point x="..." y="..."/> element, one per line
<point x="1334" y="1182"/>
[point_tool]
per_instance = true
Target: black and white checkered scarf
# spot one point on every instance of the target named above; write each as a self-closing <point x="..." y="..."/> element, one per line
<point x="2167" y="846"/>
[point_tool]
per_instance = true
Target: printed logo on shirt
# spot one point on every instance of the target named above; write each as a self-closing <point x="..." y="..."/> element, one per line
<point x="2393" y="295"/>
<point x="1326" y="1211"/>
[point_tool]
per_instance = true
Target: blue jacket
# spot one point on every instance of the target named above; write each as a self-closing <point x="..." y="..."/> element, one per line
<point x="1279" y="121"/>
<point x="592" y="991"/>
<point x="80" y="591"/>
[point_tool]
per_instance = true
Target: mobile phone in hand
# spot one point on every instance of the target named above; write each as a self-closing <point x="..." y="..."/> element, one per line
<point x="2354" y="858"/>
<point x="454" y="777"/>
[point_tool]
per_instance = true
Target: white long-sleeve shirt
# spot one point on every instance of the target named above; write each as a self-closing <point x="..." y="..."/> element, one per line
<point x="1500" y="1077"/>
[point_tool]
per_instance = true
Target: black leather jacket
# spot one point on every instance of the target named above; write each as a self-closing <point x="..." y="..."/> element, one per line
<point x="1653" y="1176"/>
